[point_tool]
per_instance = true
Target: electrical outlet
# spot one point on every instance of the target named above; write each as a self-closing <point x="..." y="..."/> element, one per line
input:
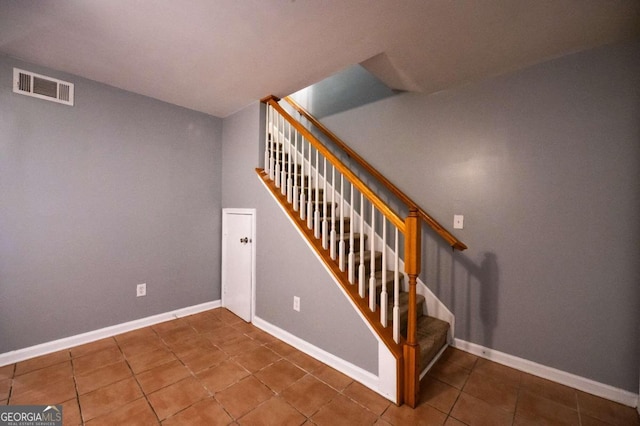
<point x="296" y="303"/>
<point x="458" y="221"/>
<point x="141" y="290"/>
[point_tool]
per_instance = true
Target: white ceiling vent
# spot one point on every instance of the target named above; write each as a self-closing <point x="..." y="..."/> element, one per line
<point x="42" y="87"/>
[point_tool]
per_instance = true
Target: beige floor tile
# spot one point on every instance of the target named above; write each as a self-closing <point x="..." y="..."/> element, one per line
<point x="534" y="409"/>
<point x="308" y="394"/>
<point x="499" y="372"/>
<point x="109" y="398"/>
<point x="133" y="347"/>
<point x="453" y="374"/>
<point x="280" y="375"/>
<point x="343" y="411"/>
<point x="51" y="374"/>
<point x="162" y="376"/>
<point x="281" y="348"/>
<point x="6" y="372"/>
<point x="41" y="362"/>
<point x="102" y="376"/>
<point x="71" y="413"/>
<point x="176" y="397"/>
<point x="332" y="377"/>
<point x="134" y="413"/>
<point x="192" y="344"/>
<point x="243" y="327"/>
<point x="257" y="359"/>
<point x="607" y="411"/>
<point x="547" y="389"/>
<point x="87" y="363"/>
<point x="206" y="412"/>
<point x="179" y="335"/>
<point x="141" y="333"/>
<point x="239" y="345"/>
<point x="590" y="421"/>
<point x="437" y="394"/>
<point x="493" y="390"/>
<point x="243" y="396"/>
<point x="5" y="388"/>
<point x="456" y="356"/>
<point x="422" y="415"/>
<point x="148" y="360"/>
<point x="367" y="398"/>
<point x="220" y="377"/>
<point x="44" y="393"/>
<point x="260" y="336"/>
<point x="88" y="348"/>
<point x="228" y="316"/>
<point x="164" y="327"/>
<point x="274" y="411"/>
<point x="221" y="335"/>
<point x="304" y="361"/>
<point x="199" y="360"/>
<point x="206" y="324"/>
<point x="453" y="422"/>
<point x="476" y="412"/>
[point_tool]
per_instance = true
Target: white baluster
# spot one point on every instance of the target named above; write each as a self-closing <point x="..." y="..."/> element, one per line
<point x="372" y="272"/>
<point x="384" y="297"/>
<point x="396" y="294"/>
<point x="289" y="191"/>
<point x="361" y="269"/>
<point x="267" y="140"/>
<point x="279" y="152"/>
<point x="332" y="234"/>
<point x="325" y="225"/>
<point x="341" y="244"/>
<point x="295" y="172"/>
<point x="316" y="213"/>
<point x="303" y="201"/>
<point x="272" y="144"/>
<point x="309" y="197"/>
<point x="351" y="266"/>
<point x="283" y="166"/>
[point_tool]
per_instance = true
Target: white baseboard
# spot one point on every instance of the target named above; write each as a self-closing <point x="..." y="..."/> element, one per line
<point x="91" y="336"/>
<point x="581" y="383"/>
<point x="362" y="376"/>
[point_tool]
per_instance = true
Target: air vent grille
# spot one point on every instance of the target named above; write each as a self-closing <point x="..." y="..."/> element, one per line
<point x="42" y="87"/>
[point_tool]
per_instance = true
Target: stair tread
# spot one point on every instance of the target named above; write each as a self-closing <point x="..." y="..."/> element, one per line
<point x="403" y="302"/>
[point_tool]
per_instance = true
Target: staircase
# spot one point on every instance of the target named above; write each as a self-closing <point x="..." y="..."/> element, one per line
<point x="358" y="238"/>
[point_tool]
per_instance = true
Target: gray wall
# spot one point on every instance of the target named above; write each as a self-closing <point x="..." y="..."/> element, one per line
<point x="544" y="164"/>
<point x="286" y="266"/>
<point x="117" y="190"/>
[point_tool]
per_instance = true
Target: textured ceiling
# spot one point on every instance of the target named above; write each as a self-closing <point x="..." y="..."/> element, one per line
<point x="217" y="56"/>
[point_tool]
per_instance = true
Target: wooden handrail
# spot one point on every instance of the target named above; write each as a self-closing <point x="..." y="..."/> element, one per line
<point x="340" y="166"/>
<point x="433" y="224"/>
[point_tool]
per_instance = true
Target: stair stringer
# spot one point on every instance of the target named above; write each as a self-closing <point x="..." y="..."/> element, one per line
<point x="387" y="382"/>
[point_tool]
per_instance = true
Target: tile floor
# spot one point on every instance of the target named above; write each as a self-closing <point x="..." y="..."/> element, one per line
<point x="214" y="369"/>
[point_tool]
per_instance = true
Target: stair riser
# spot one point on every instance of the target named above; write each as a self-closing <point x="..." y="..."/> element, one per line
<point x="367" y="264"/>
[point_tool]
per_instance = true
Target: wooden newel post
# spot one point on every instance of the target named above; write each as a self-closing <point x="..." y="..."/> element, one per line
<point x="411" y="350"/>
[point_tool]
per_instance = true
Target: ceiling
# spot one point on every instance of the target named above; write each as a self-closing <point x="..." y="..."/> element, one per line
<point x="218" y="56"/>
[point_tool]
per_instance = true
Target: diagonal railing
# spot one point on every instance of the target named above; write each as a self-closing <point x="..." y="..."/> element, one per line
<point x="356" y="228"/>
<point x="430" y="221"/>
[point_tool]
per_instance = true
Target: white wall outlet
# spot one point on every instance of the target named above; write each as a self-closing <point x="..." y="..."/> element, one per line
<point x="296" y="303"/>
<point x="141" y="290"/>
<point x="458" y="221"/>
